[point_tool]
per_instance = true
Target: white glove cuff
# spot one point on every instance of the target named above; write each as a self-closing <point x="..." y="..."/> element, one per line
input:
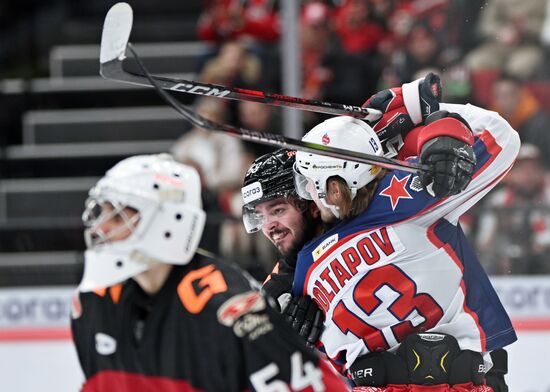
<point x="411" y="98"/>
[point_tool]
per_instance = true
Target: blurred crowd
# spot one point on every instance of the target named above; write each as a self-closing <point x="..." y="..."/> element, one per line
<point x="492" y="53"/>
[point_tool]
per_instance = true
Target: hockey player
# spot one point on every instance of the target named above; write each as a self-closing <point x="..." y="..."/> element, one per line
<point x="288" y="221"/>
<point x="395" y="268"/>
<point x="272" y="206"/>
<point x="156" y="313"/>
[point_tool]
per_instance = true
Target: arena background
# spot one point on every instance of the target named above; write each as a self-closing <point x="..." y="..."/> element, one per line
<point x="62" y="126"/>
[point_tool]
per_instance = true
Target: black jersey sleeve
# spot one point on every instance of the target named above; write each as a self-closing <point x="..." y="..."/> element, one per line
<point x="87" y="311"/>
<point x="268" y="354"/>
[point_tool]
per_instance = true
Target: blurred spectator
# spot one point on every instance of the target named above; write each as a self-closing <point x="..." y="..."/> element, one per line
<point x="400" y="16"/>
<point x="221" y="161"/>
<point x="329" y="73"/>
<point x="224" y="20"/>
<point x="315" y="35"/>
<point x="462" y="19"/>
<point x="514" y="229"/>
<point x="521" y="109"/>
<point x="511" y="31"/>
<point x="359" y="32"/>
<point x="219" y="158"/>
<point x="423" y="49"/>
<point x="233" y="66"/>
<point x="259" y="117"/>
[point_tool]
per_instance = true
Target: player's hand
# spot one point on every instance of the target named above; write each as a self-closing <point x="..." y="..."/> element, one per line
<point x="451" y="158"/>
<point x="403" y="109"/>
<point x="305" y="317"/>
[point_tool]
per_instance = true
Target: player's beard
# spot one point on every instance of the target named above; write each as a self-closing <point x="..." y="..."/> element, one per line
<point x="308" y="230"/>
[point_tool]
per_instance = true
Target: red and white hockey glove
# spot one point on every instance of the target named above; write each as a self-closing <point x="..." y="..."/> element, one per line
<point x="403" y="109"/>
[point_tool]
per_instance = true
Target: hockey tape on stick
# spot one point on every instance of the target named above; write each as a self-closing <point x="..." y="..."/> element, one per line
<point x="114" y="40"/>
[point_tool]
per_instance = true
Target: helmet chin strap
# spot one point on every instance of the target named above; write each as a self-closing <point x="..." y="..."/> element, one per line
<point x="334" y="209"/>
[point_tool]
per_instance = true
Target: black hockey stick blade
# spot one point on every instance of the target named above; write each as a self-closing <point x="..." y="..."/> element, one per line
<point x="114" y="41"/>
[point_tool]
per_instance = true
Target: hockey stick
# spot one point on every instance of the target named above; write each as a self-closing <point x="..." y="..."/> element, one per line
<point x="277" y="140"/>
<point x="255" y="136"/>
<point x="113" y="48"/>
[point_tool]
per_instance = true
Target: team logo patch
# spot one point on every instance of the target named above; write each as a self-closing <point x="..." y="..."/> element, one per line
<point x="325" y="139"/>
<point x="104" y="344"/>
<point x="239" y="305"/>
<point x="252" y="192"/>
<point x="397" y="190"/>
<point x="324" y="246"/>
<point x="416" y="185"/>
<point x="431" y="337"/>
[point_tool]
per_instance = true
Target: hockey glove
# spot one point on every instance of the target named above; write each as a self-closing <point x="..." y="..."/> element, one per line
<point x="305" y="317"/>
<point x="495" y="377"/>
<point x="445" y="145"/>
<point x="278" y="284"/>
<point x="403" y="109"/>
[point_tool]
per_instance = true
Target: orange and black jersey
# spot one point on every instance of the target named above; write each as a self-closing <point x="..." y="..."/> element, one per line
<point x="206" y="330"/>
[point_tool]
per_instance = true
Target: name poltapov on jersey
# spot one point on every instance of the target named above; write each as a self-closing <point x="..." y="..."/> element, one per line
<point x="404" y="266"/>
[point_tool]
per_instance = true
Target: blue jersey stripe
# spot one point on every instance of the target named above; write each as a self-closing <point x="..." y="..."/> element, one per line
<point x="481" y="297"/>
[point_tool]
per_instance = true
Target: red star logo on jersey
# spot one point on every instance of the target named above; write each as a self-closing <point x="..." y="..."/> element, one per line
<point x="396" y="190"/>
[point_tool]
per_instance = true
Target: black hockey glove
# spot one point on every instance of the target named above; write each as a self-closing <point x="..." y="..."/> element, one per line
<point x="452" y="159"/>
<point x="305" y="317"/>
<point x="403" y="109"/>
<point x="495" y="377"/>
<point x="279" y="283"/>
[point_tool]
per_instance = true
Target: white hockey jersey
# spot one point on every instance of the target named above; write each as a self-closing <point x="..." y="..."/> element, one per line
<point x="404" y="265"/>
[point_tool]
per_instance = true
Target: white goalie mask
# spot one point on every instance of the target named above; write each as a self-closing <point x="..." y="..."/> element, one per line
<point x="146" y="209"/>
<point x="312" y="170"/>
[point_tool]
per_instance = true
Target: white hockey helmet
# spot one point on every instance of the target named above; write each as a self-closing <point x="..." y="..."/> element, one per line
<point x="340" y="132"/>
<point x="167" y="227"/>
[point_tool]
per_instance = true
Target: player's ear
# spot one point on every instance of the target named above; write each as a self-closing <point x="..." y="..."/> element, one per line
<point x="314" y="210"/>
<point x="334" y="193"/>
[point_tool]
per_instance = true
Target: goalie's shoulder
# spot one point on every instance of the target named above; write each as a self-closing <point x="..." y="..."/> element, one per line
<point x="95" y="299"/>
<point x="220" y="297"/>
<point x="209" y="283"/>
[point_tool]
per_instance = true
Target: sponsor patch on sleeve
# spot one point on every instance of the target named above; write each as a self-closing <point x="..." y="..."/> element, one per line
<point x="238" y="305"/>
<point x="241" y="313"/>
<point x="324" y="246"/>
